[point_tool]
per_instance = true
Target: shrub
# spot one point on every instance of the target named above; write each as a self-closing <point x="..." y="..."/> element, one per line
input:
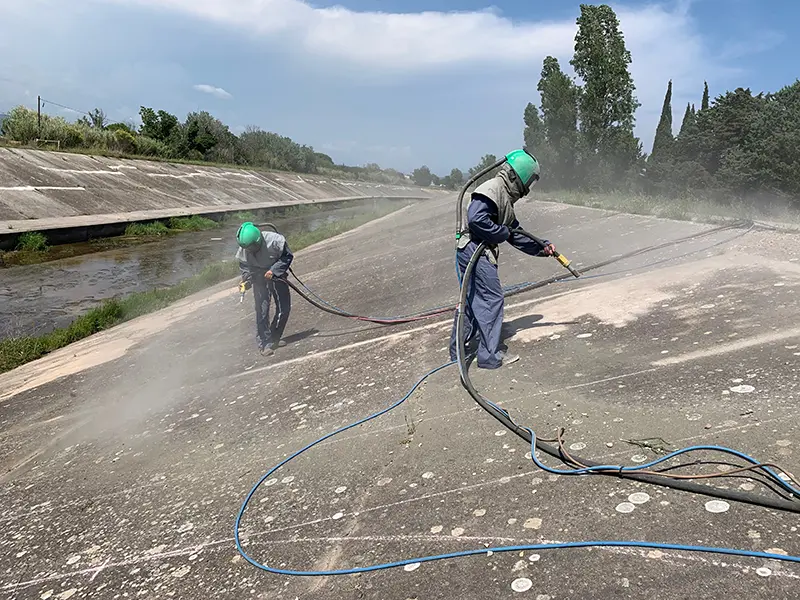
<point x="32" y="241"/>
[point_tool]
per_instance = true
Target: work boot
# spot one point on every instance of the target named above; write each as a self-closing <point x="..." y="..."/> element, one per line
<point x="266" y="351"/>
<point x="507" y="359"/>
<point x="279" y="344"/>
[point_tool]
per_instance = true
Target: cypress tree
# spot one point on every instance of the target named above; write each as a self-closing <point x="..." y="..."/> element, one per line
<point x="662" y="143"/>
<point x="688" y="118"/>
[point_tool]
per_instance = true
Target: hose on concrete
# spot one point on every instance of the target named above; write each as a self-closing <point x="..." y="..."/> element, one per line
<point x="591" y="466"/>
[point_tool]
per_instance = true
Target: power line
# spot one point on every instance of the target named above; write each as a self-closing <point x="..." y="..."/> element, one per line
<point x="80" y="112"/>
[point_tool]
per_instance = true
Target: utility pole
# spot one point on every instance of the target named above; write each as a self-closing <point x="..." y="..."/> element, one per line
<point x="39" y="99"/>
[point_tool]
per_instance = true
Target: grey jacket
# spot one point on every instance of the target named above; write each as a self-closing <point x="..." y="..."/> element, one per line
<point x="273" y="255"/>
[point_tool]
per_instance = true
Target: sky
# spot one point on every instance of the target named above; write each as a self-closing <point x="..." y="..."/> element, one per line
<point x="398" y="82"/>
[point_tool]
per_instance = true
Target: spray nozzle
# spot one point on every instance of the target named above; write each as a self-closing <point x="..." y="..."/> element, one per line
<point x="566" y="263"/>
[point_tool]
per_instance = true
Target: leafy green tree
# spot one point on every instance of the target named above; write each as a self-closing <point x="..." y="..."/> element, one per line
<point x="533" y="137"/>
<point x="704" y="105"/>
<point x="559" y="97"/>
<point x="121" y="126"/>
<point x="456" y="178"/>
<point x="486" y="161"/>
<point x="607" y="103"/>
<point x="157" y="125"/>
<point x="422" y="176"/>
<point x="97" y="119"/>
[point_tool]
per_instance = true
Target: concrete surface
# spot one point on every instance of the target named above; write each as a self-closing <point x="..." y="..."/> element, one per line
<point x="125" y="457"/>
<point x="42" y="190"/>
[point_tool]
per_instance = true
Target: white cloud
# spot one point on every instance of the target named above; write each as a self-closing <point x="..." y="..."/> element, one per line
<point x="396" y="41"/>
<point x="662" y="38"/>
<point x="214" y="91"/>
<point x="465" y="56"/>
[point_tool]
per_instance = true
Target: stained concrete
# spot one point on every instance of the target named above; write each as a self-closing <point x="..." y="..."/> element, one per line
<point x="42" y="190"/>
<point x="125" y="457"/>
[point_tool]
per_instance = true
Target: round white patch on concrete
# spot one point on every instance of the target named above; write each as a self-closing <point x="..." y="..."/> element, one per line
<point x="717" y="506"/>
<point x="625" y="508"/>
<point x="523" y="584"/>
<point x="411" y="567"/>
<point x="639" y="498"/>
<point x="743" y="389"/>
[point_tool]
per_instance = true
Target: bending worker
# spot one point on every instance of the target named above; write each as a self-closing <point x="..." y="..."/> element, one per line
<point x="264" y="256"/>
<point x="491" y="219"/>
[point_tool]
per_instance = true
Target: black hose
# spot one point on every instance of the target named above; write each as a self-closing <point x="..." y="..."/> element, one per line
<point x="504" y="418"/>
<point x="305" y="292"/>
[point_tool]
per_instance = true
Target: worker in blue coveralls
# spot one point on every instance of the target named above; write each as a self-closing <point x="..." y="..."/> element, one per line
<point x="491" y="219"/>
<point x="264" y="260"/>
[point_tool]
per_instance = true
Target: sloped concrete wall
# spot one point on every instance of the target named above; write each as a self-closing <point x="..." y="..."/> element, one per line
<point x="42" y="190"/>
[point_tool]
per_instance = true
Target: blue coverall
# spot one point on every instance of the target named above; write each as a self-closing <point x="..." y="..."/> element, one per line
<point x="484" y="311"/>
<point x="269" y="333"/>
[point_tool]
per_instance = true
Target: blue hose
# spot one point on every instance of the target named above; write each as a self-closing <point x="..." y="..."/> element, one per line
<point x="620" y="469"/>
<point x="499" y="549"/>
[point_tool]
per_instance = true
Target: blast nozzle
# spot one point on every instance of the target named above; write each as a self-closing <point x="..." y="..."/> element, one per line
<point x="566" y="263"/>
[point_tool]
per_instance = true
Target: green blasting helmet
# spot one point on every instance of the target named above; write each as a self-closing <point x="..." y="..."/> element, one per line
<point x="248" y="235"/>
<point x="525" y="165"/>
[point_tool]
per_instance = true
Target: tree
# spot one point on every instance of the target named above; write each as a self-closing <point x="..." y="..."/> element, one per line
<point x="274" y="151"/>
<point x="97" y="119"/>
<point x="456" y="178"/>
<point x="662" y="143"/>
<point x="559" y="98"/>
<point x="607" y="103"/>
<point x="486" y="161"/>
<point x="533" y="136"/>
<point x="688" y="120"/>
<point x="157" y="125"/>
<point x="121" y="126"/>
<point x="422" y="176"/>
<point x="704" y="105"/>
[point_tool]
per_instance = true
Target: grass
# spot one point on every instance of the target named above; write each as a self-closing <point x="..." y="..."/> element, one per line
<point x="20" y="350"/>
<point x="680" y="209"/>
<point x="32" y="241"/>
<point x="146" y="229"/>
<point x="173" y="225"/>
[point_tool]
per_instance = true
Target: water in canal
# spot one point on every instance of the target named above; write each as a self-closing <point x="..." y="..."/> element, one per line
<point x="35" y="299"/>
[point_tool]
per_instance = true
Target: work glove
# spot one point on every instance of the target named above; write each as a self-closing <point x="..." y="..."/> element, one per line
<point x="548" y="249"/>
